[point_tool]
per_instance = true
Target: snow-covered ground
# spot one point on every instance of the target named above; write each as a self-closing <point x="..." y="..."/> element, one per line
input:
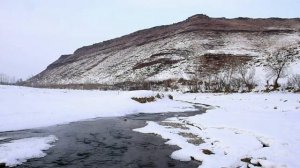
<point x="263" y="129"/>
<point x="257" y="129"/>
<point x="26" y="108"/>
<point x="18" y="151"/>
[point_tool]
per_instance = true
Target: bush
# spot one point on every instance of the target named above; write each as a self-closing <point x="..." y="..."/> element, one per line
<point x="144" y="99"/>
<point x="170" y="97"/>
<point x="294" y="81"/>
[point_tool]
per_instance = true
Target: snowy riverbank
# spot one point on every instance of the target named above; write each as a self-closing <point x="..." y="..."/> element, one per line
<point x="27" y="108"/>
<point x="241" y="129"/>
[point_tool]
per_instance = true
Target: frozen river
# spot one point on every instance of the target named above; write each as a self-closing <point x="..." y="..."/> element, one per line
<point x="105" y="142"/>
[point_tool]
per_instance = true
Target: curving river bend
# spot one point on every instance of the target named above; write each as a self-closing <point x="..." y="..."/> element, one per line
<point x="107" y="143"/>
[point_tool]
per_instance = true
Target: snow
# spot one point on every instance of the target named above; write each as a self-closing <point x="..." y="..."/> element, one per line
<point x="259" y="126"/>
<point x="18" y="151"/>
<point x="27" y="108"/>
<point x="116" y="67"/>
<point x="294" y="67"/>
<point x="3" y="138"/>
<point x="20" y="106"/>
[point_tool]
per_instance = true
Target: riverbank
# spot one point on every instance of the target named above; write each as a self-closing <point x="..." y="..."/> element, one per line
<point x="47" y="107"/>
<point x="239" y="130"/>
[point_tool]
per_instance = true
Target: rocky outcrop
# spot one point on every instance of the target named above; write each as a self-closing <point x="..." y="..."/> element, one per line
<point x="172" y="51"/>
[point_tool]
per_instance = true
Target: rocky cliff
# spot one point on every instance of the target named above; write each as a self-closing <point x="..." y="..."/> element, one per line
<point x="173" y="51"/>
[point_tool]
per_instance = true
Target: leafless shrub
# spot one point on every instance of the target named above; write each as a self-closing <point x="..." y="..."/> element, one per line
<point x="144" y="99"/>
<point x="294" y="81"/>
<point x="218" y="83"/>
<point x="245" y="78"/>
<point x="232" y="79"/>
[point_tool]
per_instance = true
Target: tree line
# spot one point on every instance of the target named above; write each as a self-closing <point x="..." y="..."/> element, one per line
<point x="8" y="80"/>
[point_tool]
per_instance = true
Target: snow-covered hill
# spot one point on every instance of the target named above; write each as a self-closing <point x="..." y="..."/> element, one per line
<point x="174" y="51"/>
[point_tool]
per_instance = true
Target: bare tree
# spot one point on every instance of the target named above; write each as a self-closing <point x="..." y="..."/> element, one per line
<point x="5" y="79"/>
<point x="278" y="62"/>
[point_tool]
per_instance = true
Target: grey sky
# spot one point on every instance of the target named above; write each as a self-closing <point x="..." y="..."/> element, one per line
<point x="34" y="33"/>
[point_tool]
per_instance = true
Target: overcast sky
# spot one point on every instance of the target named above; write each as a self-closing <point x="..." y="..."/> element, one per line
<point x="34" y="33"/>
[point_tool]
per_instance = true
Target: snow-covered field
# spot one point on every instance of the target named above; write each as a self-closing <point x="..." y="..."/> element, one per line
<point x="26" y="108"/>
<point x="263" y="129"/>
<point x="238" y="130"/>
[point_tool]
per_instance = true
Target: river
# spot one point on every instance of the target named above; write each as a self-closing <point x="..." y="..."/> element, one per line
<point x="107" y="143"/>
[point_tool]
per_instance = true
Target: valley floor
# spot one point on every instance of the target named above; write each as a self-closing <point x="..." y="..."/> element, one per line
<point x="238" y="130"/>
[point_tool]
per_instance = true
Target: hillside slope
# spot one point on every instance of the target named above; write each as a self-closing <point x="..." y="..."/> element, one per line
<point x="173" y="51"/>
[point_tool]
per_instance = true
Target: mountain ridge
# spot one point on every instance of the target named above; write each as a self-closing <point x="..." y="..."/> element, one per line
<point x="160" y="48"/>
<point x="190" y="19"/>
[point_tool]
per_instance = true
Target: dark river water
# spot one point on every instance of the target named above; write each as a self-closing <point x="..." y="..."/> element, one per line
<point x="107" y="143"/>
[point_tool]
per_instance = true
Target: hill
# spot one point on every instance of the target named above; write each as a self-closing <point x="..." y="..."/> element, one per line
<point x="196" y="48"/>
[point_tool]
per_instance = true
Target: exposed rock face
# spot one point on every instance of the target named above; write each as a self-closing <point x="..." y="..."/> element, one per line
<point x="172" y="51"/>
